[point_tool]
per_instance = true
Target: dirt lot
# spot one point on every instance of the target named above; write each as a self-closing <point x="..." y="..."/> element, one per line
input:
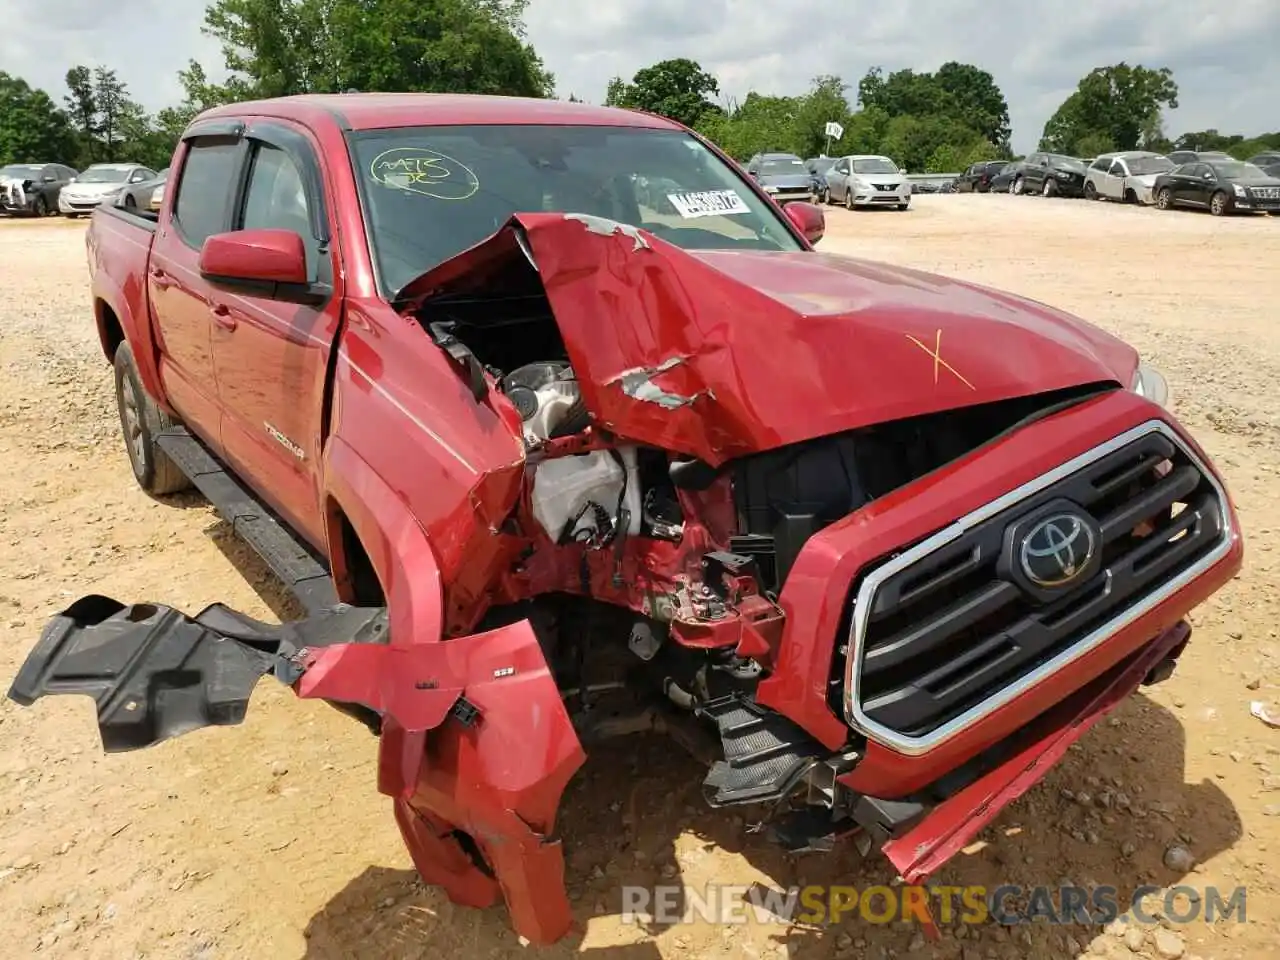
<point x="269" y="840"/>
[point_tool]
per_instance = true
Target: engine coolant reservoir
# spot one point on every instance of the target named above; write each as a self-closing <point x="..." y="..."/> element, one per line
<point x="586" y="487"/>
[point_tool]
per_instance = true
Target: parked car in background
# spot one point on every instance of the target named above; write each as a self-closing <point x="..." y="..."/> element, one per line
<point x="100" y="183"/>
<point x="1221" y="186"/>
<point x="977" y="179"/>
<point x="782" y="175"/>
<point x="1003" y="179"/>
<point x="144" y="195"/>
<point x="1269" y="162"/>
<point x="818" y="167"/>
<point x="33" y="188"/>
<point x="1129" y="176"/>
<point x="1050" y="174"/>
<point x="1180" y="157"/>
<point x="867" y="180"/>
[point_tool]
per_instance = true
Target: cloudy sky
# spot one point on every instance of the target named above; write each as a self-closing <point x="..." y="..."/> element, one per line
<point x="1224" y="56"/>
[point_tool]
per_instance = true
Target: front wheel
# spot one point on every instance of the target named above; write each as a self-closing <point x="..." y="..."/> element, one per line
<point x="41" y="207"/>
<point x="129" y="202"/>
<point x="904" y="206"/>
<point x="1219" y="204"/>
<point x="1164" y="199"/>
<point x="826" y="196"/>
<point x="1090" y="191"/>
<point x="72" y="216"/>
<point x="1016" y="187"/>
<point x="140" y="421"/>
<point x="1050" y="188"/>
<point x="848" y="197"/>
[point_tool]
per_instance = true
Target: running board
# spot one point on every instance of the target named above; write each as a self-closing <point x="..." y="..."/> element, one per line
<point x="289" y="559"/>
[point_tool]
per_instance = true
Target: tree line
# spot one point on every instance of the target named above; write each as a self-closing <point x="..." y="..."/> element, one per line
<point x="939" y="121"/>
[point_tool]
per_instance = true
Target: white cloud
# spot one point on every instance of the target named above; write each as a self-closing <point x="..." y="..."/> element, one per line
<point x="1224" y="58"/>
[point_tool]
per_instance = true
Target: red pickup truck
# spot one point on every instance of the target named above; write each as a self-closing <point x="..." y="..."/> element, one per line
<point x="561" y="429"/>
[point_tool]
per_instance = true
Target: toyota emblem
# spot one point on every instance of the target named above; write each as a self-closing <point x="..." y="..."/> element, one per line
<point x="1057" y="550"/>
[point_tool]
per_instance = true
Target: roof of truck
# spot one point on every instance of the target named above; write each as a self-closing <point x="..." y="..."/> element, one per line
<point x="371" y="111"/>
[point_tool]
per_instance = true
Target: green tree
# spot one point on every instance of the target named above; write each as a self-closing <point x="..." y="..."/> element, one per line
<point x="281" y="47"/>
<point x="977" y="101"/>
<point x="912" y="140"/>
<point x="32" y="127"/>
<point x="112" y="98"/>
<point x="825" y="102"/>
<point x="678" y="89"/>
<point x="1121" y="102"/>
<point x="1092" y="144"/>
<point x="82" y="104"/>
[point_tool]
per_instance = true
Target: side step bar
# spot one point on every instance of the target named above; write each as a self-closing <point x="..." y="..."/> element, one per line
<point x="293" y="562"/>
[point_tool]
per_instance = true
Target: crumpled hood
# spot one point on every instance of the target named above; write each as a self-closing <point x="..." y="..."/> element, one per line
<point x="719" y="353"/>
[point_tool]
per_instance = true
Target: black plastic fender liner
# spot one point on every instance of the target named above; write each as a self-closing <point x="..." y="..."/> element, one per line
<point x="155" y="673"/>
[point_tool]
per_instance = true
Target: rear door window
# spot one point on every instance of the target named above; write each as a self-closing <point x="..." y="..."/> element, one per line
<point x="205" y="188"/>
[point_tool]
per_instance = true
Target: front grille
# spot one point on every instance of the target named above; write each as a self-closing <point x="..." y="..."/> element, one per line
<point x="886" y="186"/>
<point x="939" y="634"/>
<point x="1267" y="193"/>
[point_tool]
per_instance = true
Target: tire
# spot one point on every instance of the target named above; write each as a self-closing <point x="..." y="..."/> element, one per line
<point x="1219" y="204"/>
<point x="1050" y="188"/>
<point x="129" y="202"/>
<point x="904" y="206"/>
<point x="72" y="216"/>
<point x="826" y="196"/>
<point x="1015" y="188"/>
<point x="41" y="207"/>
<point x="140" y="421"/>
<point x="1090" y="191"/>
<point x="1130" y="197"/>
<point x="848" y="197"/>
<point x="1164" y="199"/>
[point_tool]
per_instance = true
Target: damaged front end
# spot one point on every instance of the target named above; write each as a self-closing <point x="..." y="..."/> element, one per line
<point x="743" y="472"/>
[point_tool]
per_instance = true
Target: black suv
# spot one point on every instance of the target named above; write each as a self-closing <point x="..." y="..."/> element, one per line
<point x="977" y="179"/>
<point x="1050" y="174"/>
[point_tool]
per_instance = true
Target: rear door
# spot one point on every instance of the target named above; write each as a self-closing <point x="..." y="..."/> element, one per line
<point x="1113" y="182"/>
<point x="204" y="183"/>
<point x="838" y="178"/>
<point x="271" y="355"/>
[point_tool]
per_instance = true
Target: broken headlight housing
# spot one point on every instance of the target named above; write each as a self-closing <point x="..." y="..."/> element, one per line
<point x="1150" y="383"/>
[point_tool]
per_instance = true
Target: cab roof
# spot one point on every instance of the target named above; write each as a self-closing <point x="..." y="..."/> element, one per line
<point x="372" y="111"/>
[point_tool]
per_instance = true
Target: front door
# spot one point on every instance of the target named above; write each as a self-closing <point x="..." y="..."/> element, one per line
<point x="838" y="179"/>
<point x="271" y="355"/>
<point x="1112" y="185"/>
<point x="204" y="180"/>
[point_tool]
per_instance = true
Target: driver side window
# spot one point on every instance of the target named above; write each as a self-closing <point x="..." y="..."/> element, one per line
<point x="277" y="199"/>
<point x="1117" y="169"/>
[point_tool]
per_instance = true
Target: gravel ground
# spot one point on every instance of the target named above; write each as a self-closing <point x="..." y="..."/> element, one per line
<point x="269" y="839"/>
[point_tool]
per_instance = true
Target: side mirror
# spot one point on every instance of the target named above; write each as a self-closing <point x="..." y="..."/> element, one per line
<point x="753" y="174"/>
<point x="807" y="218"/>
<point x="49" y="178"/>
<point x="255" y="260"/>
<point x="1208" y="176"/>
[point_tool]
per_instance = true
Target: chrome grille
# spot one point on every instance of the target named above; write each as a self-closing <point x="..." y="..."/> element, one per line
<point x="948" y="631"/>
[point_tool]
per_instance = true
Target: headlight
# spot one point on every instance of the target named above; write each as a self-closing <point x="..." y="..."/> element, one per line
<point x="769" y="189"/>
<point x="1150" y="383"/>
<point x="1240" y="191"/>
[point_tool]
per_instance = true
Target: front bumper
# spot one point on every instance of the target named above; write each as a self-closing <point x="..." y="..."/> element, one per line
<point x="80" y="204"/>
<point x="873" y="196"/>
<point x="14" y="199"/>
<point x="816" y="598"/>
<point x="783" y="195"/>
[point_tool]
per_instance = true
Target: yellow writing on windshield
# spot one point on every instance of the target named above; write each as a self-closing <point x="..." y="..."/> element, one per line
<point x="426" y="172"/>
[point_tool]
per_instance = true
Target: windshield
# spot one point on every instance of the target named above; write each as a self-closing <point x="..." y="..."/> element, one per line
<point x="1236" y="170"/>
<point x="775" y="168"/>
<point x="104" y="175"/>
<point x="874" y="165"/>
<point x="1143" y="166"/>
<point x="20" y="171"/>
<point x="1065" y="163"/>
<point x="431" y="192"/>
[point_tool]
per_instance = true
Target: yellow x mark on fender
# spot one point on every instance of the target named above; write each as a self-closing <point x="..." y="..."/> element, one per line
<point x="938" y="363"/>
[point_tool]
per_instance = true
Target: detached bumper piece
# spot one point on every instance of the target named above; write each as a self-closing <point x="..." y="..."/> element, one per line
<point x="155" y="673"/>
<point x="765" y="753"/>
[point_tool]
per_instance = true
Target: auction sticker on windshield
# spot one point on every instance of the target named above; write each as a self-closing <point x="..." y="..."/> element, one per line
<point x="708" y="203"/>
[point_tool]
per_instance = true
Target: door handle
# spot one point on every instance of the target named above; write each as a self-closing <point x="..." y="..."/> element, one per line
<point x="222" y="316"/>
<point x="160" y="278"/>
